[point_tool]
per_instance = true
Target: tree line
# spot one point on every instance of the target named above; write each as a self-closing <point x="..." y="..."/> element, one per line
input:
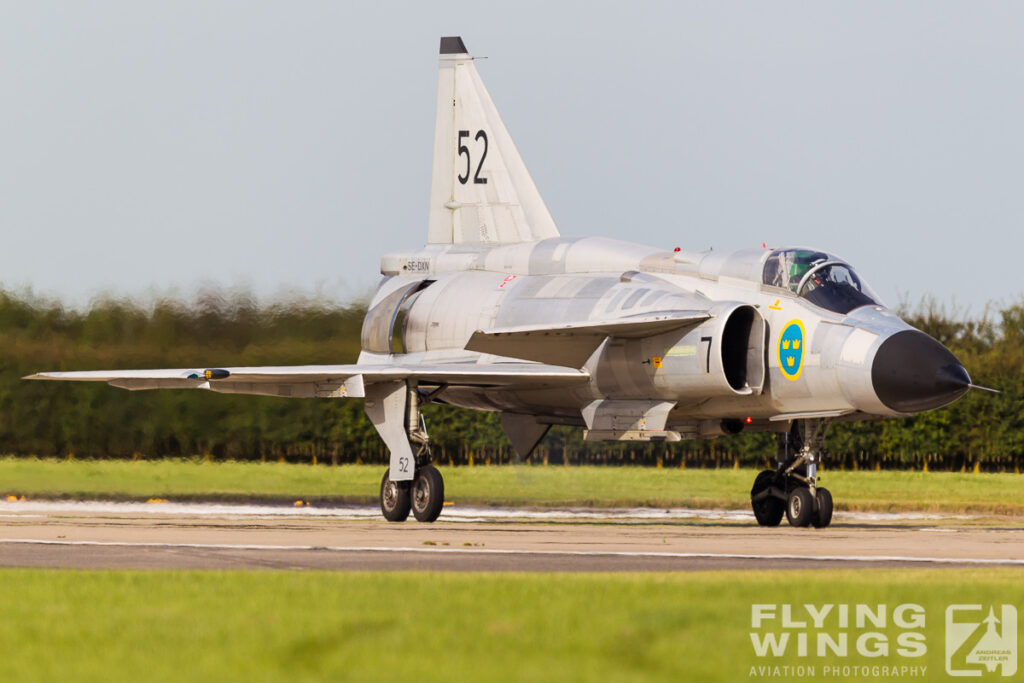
<point x="219" y="328"/>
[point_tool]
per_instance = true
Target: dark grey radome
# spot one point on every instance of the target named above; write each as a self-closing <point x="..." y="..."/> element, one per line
<point x="914" y="372"/>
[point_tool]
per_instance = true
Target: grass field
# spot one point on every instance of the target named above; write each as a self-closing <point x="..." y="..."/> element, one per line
<point x="499" y="485"/>
<point x="299" y="626"/>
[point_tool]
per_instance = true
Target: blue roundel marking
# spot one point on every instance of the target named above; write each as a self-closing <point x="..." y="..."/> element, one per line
<point x="791" y="349"/>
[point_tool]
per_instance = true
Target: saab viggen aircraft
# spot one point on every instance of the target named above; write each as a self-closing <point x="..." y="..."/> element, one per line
<point x="499" y="312"/>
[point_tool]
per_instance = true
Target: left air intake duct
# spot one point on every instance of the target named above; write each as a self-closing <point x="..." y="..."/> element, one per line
<point x="722" y="357"/>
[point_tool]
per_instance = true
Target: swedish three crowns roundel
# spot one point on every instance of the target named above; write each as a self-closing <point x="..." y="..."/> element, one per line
<point x="791" y="349"/>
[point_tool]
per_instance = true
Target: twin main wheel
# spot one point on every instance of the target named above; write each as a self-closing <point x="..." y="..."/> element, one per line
<point x="424" y="496"/>
<point x="395" y="501"/>
<point x="427" y="494"/>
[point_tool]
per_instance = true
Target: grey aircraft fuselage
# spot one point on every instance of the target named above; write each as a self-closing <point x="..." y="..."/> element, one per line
<point x="728" y="368"/>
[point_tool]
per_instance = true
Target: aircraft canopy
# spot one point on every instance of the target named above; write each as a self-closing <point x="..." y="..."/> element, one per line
<point x="821" y="278"/>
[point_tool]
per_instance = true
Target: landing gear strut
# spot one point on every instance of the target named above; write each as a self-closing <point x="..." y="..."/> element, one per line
<point x="792" y="488"/>
<point x="424" y="495"/>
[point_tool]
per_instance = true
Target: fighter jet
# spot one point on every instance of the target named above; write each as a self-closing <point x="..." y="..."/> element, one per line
<point x="499" y="312"/>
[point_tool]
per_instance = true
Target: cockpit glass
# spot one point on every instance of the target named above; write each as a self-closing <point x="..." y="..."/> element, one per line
<point x="785" y="268"/>
<point x="820" y="278"/>
<point x="834" y="286"/>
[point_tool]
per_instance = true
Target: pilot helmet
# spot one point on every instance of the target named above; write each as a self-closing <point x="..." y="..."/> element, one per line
<point x="798" y="270"/>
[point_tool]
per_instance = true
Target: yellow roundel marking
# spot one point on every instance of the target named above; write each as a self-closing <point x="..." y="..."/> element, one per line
<point x="791" y="349"/>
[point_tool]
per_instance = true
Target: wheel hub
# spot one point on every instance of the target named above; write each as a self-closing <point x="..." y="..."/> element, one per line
<point x="420" y="493"/>
<point x="390" y="494"/>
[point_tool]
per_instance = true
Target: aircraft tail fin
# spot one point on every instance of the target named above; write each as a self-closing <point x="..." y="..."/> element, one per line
<point x="480" y="189"/>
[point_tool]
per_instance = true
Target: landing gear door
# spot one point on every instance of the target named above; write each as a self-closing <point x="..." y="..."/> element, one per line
<point x="385" y="406"/>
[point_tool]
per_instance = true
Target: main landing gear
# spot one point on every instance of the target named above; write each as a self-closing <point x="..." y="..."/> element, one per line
<point x="792" y="488"/>
<point x="424" y="495"/>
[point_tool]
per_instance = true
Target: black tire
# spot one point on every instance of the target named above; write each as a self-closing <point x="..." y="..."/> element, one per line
<point x="823" y="515"/>
<point x="427" y="494"/>
<point x="800" y="507"/>
<point x="768" y="511"/>
<point x="394" y="498"/>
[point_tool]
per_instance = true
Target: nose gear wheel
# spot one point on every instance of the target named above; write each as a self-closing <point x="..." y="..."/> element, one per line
<point x="768" y="508"/>
<point x="800" y="507"/>
<point x="792" y="488"/>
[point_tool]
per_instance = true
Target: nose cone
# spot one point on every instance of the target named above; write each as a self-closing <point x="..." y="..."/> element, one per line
<point x="912" y="372"/>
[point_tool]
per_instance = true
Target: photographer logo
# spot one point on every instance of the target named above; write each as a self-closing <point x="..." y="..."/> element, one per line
<point x="981" y="641"/>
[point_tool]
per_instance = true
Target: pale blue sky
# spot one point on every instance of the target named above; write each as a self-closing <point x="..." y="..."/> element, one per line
<point x="284" y="145"/>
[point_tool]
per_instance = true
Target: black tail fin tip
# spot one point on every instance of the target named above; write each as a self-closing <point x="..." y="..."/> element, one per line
<point x="453" y="45"/>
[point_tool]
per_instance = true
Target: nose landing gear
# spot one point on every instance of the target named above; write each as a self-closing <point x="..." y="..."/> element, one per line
<point x="792" y="489"/>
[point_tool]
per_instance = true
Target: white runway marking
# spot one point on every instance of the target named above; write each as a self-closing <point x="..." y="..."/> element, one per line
<point x="500" y="551"/>
<point x="455" y="513"/>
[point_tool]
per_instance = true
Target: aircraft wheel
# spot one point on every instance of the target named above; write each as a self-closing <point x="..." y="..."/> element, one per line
<point x="427" y="494"/>
<point x="394" y="498"/>
<point x="823" y="515"/>
<point x="800" y="508"/>
<point x="768" y="511"/>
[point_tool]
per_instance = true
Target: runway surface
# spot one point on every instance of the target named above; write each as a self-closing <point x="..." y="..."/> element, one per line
<point x="160" y="535"/>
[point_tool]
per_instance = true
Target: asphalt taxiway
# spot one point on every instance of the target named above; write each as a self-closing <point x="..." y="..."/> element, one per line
<point x="68" y="534"/>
